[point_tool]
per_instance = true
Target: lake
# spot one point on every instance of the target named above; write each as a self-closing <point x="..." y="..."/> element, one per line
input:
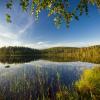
<point x="35" y="79"/>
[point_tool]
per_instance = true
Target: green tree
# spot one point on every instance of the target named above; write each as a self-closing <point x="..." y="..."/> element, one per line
<point x="62" y="10"/>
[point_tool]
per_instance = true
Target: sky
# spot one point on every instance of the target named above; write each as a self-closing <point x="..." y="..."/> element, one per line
<point x="25" y="31"/>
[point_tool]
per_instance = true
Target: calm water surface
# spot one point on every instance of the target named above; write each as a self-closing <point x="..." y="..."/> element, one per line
<point x="33" y="79"/>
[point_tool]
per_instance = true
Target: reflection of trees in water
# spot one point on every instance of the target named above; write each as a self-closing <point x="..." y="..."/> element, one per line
<point x="23" y="59"/>
<point x="17" y="59"/>
<point x="72" y="59"/>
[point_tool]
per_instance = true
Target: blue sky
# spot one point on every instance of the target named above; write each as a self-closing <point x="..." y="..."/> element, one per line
<point x="24" y="31"/>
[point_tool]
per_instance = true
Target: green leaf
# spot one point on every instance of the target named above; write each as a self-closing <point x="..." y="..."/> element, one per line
<point x="8" y="18"/>
<point x="9" y="5"/>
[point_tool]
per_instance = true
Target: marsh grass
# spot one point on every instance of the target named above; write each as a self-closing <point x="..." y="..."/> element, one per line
<point x="42" y="87"/>
<point x="89" y="84"/>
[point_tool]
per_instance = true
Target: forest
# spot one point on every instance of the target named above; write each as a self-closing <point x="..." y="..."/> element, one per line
<point x="85" y="54"/>
<point x="18" y="51"/>
<point x="73" y="51"/>
<point x="92" y="51"/>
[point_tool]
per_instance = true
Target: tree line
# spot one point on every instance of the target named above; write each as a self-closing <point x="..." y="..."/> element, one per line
<point x="18" y="51"/>
<point x="88" y="54"/>
<point x="92" y="51"/>
<point x="73" y="51"/>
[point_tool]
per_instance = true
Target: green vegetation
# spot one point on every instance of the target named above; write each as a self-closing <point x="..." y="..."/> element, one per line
<point x="91" y="51"/>
<point x="60" y="54"/>
<point x="18" y="54"/>
<point x="62" y="10"/>
<point x="40" y="87"/>
<point x="86" y="54"/>
<point x="18" y="51"/>
<point x="87" y="88"/>
<point x="89" y="84"/>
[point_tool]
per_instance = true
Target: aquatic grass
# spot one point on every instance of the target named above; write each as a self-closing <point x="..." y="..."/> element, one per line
<point x="46" y="84"/>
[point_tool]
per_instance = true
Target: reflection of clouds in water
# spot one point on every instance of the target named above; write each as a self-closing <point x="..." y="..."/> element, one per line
<point x="70" y="65"/>
<point x="44" y="63"/>
<point x="16" y="68"/>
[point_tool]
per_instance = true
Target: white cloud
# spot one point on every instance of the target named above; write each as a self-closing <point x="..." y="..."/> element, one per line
<point x="9" y="37"/>
<point x="10" y="34"/>
<point x="26" y="27"/>
<point x="46" y="44"/>
<point x="39" y="43"/>
<point x="6" y="33"/>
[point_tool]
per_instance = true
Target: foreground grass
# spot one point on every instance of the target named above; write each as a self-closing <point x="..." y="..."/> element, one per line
<point x="89" y="84"/>
<point x="86" y="88"/>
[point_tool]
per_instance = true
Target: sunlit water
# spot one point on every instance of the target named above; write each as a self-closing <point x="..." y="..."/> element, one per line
<point x="31" y="80"/>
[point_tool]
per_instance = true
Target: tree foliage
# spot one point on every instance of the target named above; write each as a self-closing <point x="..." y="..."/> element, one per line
<point x="85" y="54"/>
<point x="59" y="54"/>
<point x="18" y="51"/>
<point x="62" y="10"/>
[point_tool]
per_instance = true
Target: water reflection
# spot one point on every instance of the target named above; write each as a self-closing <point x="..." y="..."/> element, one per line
<point x="18" y="59"/>
<point x="38" y="79"/>
<point x="95" y="59"/>
<point x="7" y="66"/>
<point x="25" y="59"/>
